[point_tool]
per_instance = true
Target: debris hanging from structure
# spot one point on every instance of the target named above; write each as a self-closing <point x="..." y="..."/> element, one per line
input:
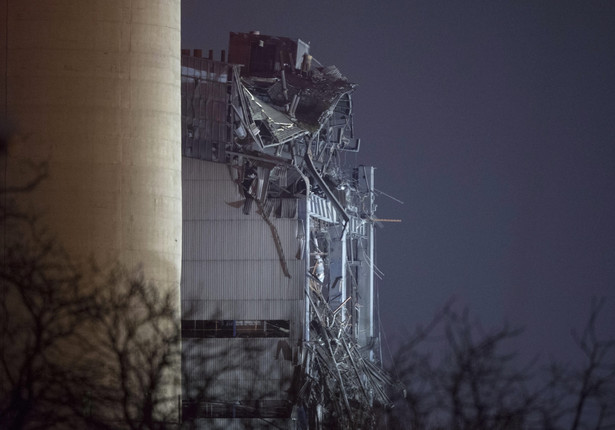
<point x="281" y="122"/>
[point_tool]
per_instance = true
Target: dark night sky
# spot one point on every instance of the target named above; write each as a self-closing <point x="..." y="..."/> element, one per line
<point x="494" y="123"/>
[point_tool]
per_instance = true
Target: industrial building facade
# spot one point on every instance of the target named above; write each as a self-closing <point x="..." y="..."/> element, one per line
<point x="277" y="268"/>
<point x="272" y="232"/>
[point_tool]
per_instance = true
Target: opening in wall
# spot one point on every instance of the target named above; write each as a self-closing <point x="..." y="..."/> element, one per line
<point x="198" y="329"/>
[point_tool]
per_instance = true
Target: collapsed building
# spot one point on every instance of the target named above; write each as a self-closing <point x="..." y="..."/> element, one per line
<point x="277" y="294"/>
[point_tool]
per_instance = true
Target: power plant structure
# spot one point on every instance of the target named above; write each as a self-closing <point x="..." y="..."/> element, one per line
<point x="225" y="181"/>
<point x="93" y="90"/>
<point x="90" y="98"/>
<point x="277" y="292"/>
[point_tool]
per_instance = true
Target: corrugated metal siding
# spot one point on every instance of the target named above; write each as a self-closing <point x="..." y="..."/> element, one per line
<point x="242" y="424"/>
<point x="222" y="363"/>
<point x="204" y="68"/>
<point x="227" y="254"/>
<point x="249" y="309"/>
<point x="231" y="270"/>
<point x="198" y="203"/>
<point x="226" y="280"/>
<point x="194" y="170"/>
<point x="205" y="126"/>
<point x="247" y="239"/>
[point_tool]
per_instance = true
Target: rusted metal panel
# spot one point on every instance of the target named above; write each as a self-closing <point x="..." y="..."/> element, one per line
<point x="205" y="101"/>
<point x="263" y="55"/>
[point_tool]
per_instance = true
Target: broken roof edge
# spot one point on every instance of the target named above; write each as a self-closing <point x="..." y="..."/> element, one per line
<point x="281" y="126"/>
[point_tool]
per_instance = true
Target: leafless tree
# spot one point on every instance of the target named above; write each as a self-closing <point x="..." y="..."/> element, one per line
<point x="582" y="395"/>
<point x="469" y="384"/>
<point x="83" y="348"/>
<point x="80" y="347"/>
<point x="252" y="379"/>
<point x="455" y="375"/>
<point x="40" y="301"/>
<point x="131" y="359"/>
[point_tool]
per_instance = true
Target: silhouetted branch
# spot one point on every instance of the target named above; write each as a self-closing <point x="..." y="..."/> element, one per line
<point x="458" y="376"/>
<point x="79" y="345"/>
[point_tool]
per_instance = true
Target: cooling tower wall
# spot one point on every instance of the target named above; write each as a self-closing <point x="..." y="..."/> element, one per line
<point x="92" y="89"/>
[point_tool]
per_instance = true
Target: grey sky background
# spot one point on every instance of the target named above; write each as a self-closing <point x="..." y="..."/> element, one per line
<point x="494" y="123"/>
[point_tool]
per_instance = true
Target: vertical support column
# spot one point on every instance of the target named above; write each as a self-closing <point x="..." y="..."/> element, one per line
<point x="343" y="286"/>
<point x="306" y="255"/>
<point x="370" y="235"/>
<point x="366" y="257"/>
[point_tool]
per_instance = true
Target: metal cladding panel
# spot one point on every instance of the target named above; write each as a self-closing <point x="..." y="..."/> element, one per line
<point x="247" y="309"/>
<point x="193" y="170"/>
<point x="228" y="255"/>
<point x="241" y="385"/>
<point x="241" y="424"/>
<point x="210" y="194"/>
<point x="231" y="270"/>
<point x="227" y="280"/>
<point x="248" y="239"/>
<point x="225" y="203"/>
<point x="205" y="128"/>
<point x="210" y="198"/>
<point x="232" y="369"/>
<point x="216" y="203"/>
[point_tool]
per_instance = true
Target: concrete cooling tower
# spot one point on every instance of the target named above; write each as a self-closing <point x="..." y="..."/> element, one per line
<point x="91" y="90"/>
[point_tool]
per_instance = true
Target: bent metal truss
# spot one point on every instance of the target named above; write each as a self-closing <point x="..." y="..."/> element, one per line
<point x="277" y="289"/>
